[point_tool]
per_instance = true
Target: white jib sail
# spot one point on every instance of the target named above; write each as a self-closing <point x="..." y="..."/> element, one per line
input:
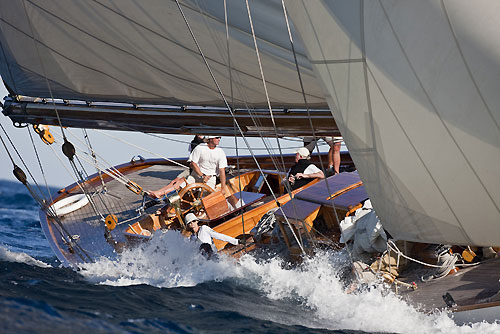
<point x="413" y="86"/>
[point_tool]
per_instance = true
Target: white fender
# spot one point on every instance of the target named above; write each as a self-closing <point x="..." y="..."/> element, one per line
<point x="69" y="204"/>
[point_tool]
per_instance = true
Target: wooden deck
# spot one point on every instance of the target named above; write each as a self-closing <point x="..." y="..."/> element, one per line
<point x="468" y="287"/>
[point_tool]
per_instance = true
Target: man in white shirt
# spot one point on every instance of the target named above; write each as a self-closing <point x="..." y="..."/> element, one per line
<point x="208" y="161"/>
<point x="303" y="171"/>
<point x="205" y="235"/>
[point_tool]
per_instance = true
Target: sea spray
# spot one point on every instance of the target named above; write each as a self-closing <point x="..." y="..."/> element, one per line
<point x="11" y="256"/>
<point x="317" y="287"/>
<point x="169" y="260"/>
<point x="317" y="284"/>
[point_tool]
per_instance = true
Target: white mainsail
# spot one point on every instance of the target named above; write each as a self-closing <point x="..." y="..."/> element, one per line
<point x="142" y="52"/>
<point x="413" y="87"/>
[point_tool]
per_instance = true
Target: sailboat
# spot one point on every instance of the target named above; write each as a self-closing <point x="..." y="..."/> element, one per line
<point x="411" y="86"/>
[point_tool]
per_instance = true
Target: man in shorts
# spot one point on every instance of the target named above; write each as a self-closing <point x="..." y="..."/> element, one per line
<point x="333" y="153"/>
<point x="207" y="161"/>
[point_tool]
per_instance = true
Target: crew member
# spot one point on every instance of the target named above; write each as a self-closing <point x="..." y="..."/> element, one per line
<point x="303" y="171"/>
<point x="206" y="235"/>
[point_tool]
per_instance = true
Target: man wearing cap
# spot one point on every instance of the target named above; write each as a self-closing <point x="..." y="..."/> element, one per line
<point x="205" y="235"/>
<point x="208" y="161"/>
<point x="303" y="171"/>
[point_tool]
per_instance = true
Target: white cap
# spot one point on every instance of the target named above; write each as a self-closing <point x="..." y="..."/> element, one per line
<point x="190" y="217"/>
<point x="211" y="137"/>
<point x="303" y="152"/>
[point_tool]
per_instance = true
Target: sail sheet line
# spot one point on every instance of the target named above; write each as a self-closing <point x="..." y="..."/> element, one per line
<point x="117" y="174"/>
<point x="71" y="160"/>
<point x="142" y="148"/>
<point x="20" y="158"/>
<point x="5" y="58"/>
<point x="49" y="194"/>
<point x="445" y="126"/>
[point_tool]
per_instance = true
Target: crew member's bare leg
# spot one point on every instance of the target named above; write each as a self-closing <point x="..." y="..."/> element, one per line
<point x="335" y="148"/>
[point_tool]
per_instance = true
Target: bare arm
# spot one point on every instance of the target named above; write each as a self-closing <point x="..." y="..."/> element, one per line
<point x="319" y="175"/>
<point x="223" y="185"/>
<point x="196" y="168"/>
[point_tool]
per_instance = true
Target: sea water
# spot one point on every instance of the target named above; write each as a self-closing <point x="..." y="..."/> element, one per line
<point x="167" y="287"/>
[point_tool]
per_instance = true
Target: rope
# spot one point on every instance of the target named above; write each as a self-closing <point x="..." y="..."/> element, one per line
<point x="264" y="83"/>
<point x="308" y="109"/>
<point x="43" y="69"/>
<point x="142" y="148"/>
<point x="232" y="114"/>
<point x="91" y="150"/>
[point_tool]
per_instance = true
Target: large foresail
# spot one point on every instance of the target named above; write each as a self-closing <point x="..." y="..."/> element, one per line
<point x="142" y="52"/>
<point x="413" y="86"/>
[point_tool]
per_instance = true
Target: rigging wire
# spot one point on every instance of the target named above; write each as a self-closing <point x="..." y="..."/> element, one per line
<point x="91" y="150"/>
<point x="264" y="83"/>
<point x="306" y="104"/>
<point x="142" y="148"/>
<point x="234" y="124"/>
<point x="43" y="68"/>
<point x="256" y="120"/>
<point x="40" y="200"/>
<point x="232" y="114"/>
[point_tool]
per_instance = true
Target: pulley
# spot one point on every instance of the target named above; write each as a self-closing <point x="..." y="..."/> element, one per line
<point x="134" y="187"/>
<point x="19" y="174"/>
<point x="44" y="133"/>
<point x="68" y="149"/>
<point x="111" y="222"/>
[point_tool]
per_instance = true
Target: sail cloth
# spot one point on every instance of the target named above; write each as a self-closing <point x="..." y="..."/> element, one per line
<point x="413" y="86"/>
<point x="142" y="52"/>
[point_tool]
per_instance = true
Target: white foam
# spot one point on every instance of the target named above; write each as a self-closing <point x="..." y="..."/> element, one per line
<point x="170" y="260"/>
<point x="7" y="255"/>
<point x="317" y="285"/>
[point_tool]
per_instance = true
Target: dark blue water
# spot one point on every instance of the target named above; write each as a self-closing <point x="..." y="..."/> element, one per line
<point x="39" y="299"/>
<point x="173" y="290"/>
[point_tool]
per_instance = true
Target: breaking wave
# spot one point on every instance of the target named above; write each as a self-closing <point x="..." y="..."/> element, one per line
<point x="10" y="256"/>
<point x="316" y="288"/>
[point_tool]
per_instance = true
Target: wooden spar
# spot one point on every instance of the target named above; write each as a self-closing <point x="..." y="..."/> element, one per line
<point x="173" y="119"/>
